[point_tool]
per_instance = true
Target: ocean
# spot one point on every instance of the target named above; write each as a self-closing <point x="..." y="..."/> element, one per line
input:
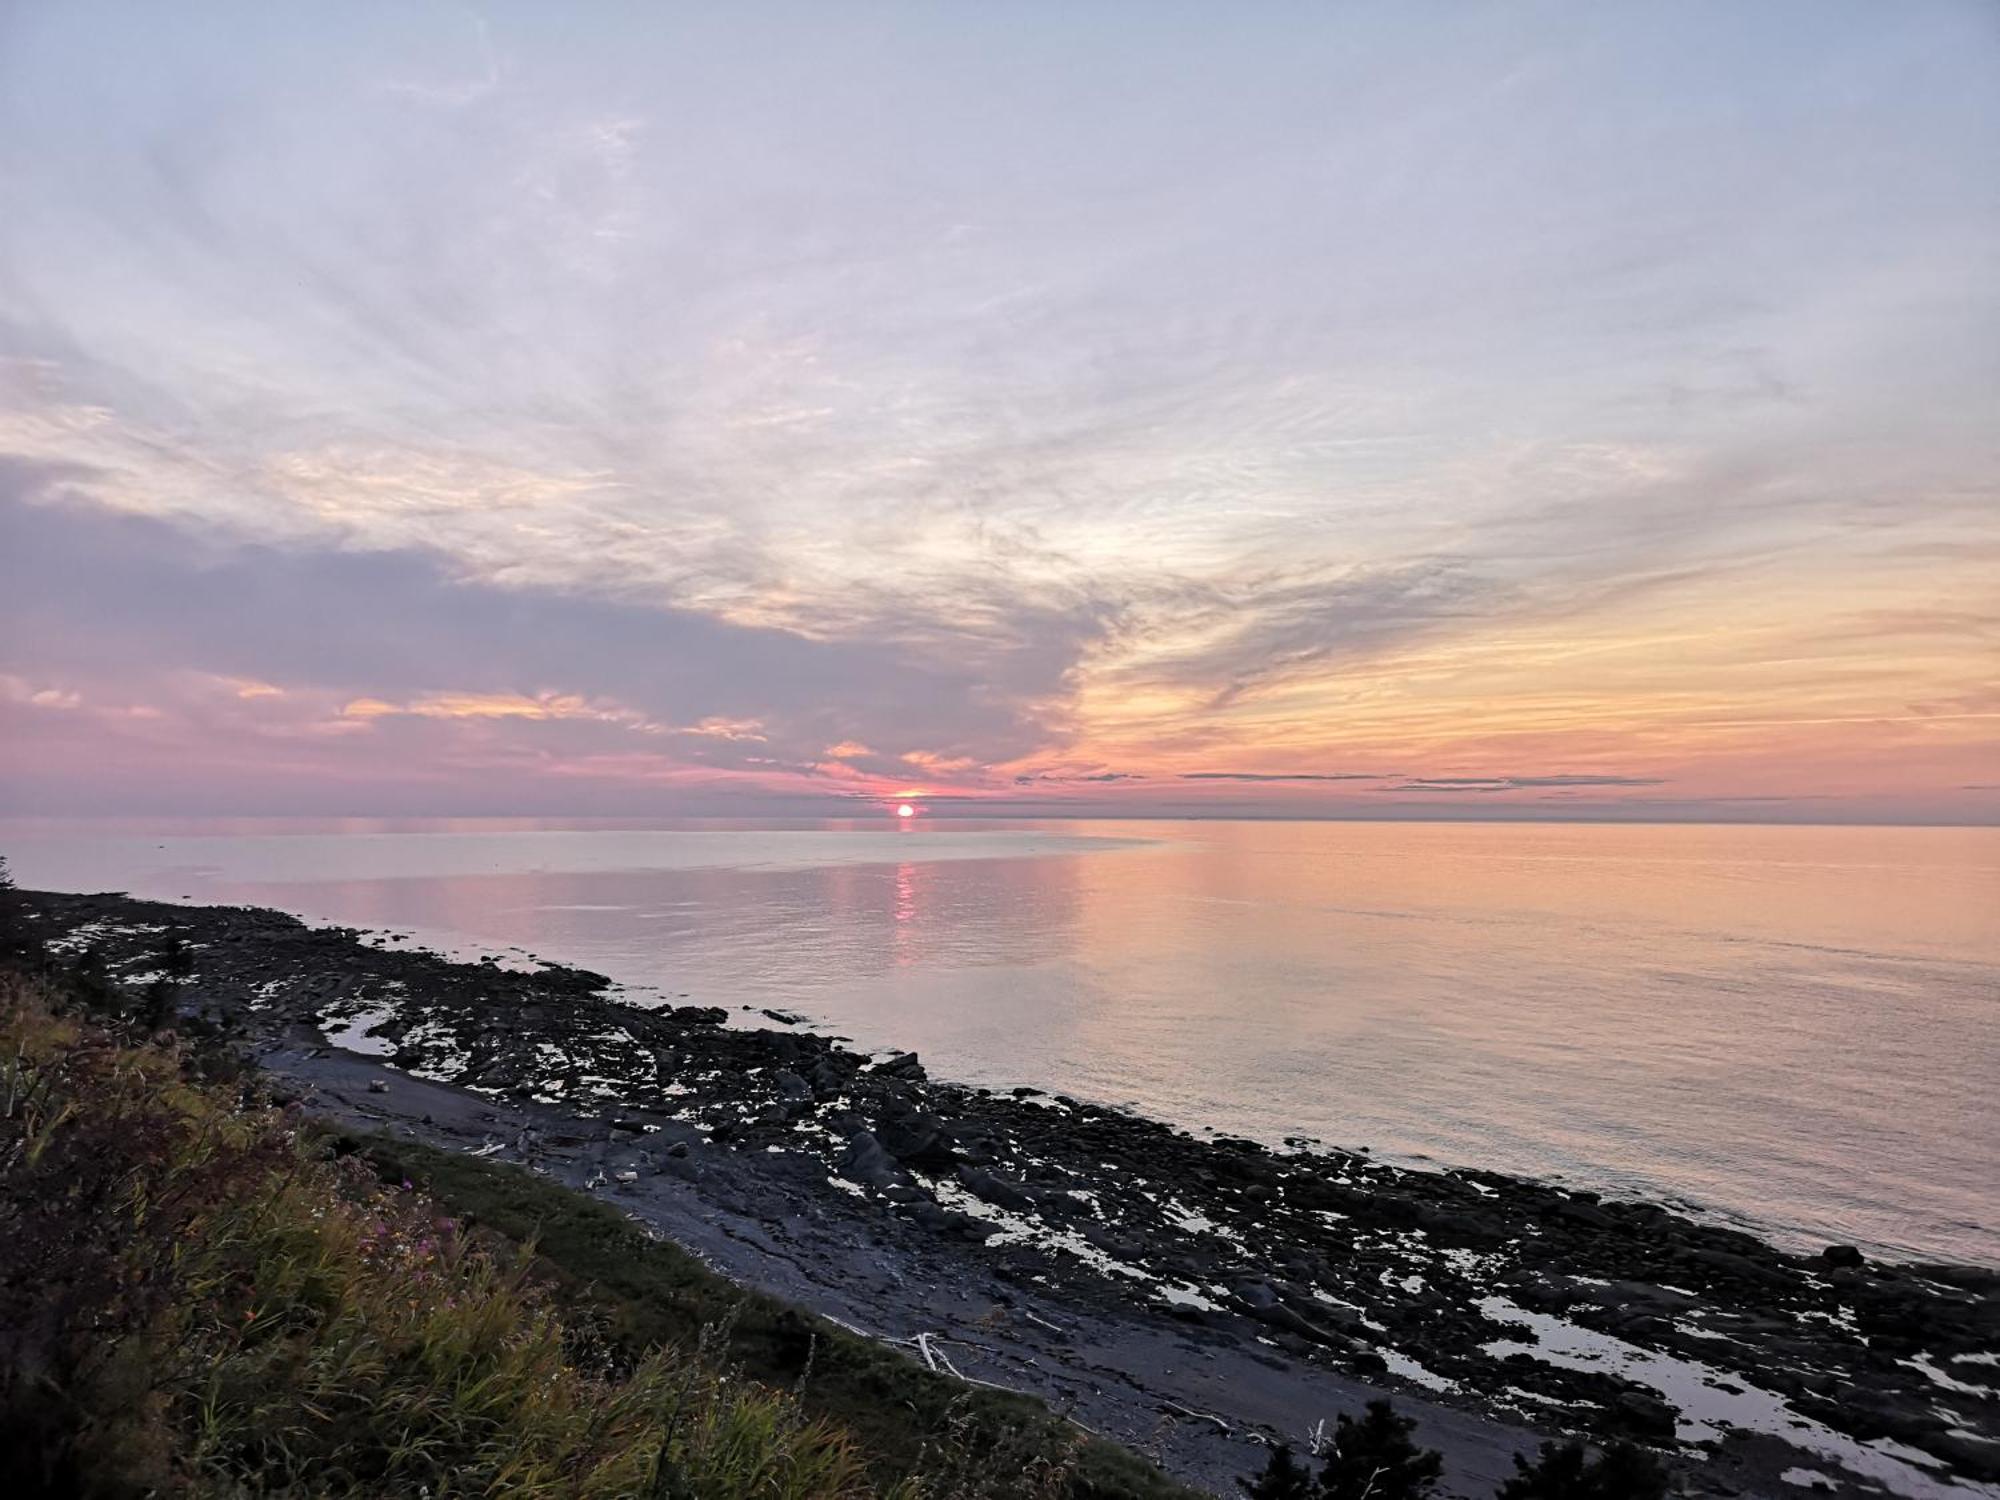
<point x="1791" y="1029"/>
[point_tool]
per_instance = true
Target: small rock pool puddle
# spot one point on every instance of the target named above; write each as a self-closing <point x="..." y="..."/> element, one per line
<point x="1710" y="1401"/>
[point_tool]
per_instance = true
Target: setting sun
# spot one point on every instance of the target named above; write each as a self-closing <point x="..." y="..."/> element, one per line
<point x="1438" y="565"/>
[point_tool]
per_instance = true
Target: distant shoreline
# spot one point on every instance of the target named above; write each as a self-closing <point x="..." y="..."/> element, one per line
<point x="1243" y="1289"/>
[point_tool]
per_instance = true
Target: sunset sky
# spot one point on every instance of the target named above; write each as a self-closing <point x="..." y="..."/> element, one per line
<point x="1359" y="410"/>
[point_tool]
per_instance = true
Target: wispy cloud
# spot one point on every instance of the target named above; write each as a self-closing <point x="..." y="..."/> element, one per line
<point x="1095" y="778"/>
<point x="608" y="406"/>
<point x="1517" y="783"/>
<point x="1279" y="776"/>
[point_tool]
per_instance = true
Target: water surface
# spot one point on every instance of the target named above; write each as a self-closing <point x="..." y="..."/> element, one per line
<point x="1789" y="1027"/>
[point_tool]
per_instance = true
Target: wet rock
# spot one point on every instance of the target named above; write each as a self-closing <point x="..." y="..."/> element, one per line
<point x="1730" y="1264"/>
<point x="790" y="1086"/>
<point x="1645" y="1415"/>
<point x="1113" y="1244"/>
<point x="826" y="1075"/>
<point x="683" y="1166"/>
<point x="868" y="1162"/>
<point x="1968" y="1454"/>
<point x="1827" y="1329"/>
<point x="966" y="1227"/>
<point x="918" y="1137"/>
<point x="994" y="1189"/>
<point x="1588" y="1214"/>
<point x="950" y="1221"/>
<point x="1263" y="1302"/>
<point x="782" y="1048"/>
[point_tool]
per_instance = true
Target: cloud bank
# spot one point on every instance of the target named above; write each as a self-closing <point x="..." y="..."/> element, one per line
<point x="780" y="409"/>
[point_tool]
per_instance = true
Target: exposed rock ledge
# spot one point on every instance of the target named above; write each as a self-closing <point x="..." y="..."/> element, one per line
<point x="1190" y="1297"/>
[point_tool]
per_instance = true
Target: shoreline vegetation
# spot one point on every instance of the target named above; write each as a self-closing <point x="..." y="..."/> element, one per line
<point x="291" y="1211"/>
<point x="207" y="1294"/>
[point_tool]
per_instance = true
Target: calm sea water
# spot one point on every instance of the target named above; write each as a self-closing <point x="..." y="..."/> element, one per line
<point x="1791" y="1028"/>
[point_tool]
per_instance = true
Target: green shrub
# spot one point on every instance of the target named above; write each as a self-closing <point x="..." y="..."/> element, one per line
<point x="1369" y="1459"/>
<point x="966" y="1443"/>
<point x="194" y="1302"/>
<point x="1565" y="1471"/>
<point x="202" y="1294"/>
<point x="1374" y="1459"/>
<point x="1283" y="1478"/>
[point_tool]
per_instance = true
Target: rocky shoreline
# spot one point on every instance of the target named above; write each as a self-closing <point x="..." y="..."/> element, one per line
<point x="1191" y="1297"/>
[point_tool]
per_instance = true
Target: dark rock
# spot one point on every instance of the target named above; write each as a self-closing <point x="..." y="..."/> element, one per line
<point x="966" y="1227"/>
<point x="917" y="1136"/>
<point x="1113" y="1244"/>
<point x="826" y="1076"/>
<point x="1262" y="1302"/>
<point x="685" y="1167"/>
<point x="1587" y="1214"/>
<point x="994" y="1189"/>
<point x="1645" y="1415"/>
<point x="1287" y="1227"/>
<point x="868" y="1162"/>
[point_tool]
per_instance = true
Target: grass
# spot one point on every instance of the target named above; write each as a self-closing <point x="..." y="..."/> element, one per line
<point x="201" y="1294"/>
<point x="904" y="1418"/>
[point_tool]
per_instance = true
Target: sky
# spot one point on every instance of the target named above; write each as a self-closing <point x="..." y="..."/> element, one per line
<point x="1256" y="409"/>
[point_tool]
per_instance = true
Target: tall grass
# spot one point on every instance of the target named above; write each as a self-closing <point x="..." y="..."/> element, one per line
<point x="195" y="1301"/>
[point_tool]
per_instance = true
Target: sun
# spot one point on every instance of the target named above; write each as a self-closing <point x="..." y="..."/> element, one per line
<point x="906" y="811"/>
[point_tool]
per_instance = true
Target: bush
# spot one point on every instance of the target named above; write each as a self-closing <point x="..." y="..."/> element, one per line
<point x="202" y="1294"/>
<point x="967" y="1443"/>
<point x="1284" y="1478"/>
<point x="192" y="1301"/>
<point x="1372" y="1459"/>
<point x="1565" y="1471"/>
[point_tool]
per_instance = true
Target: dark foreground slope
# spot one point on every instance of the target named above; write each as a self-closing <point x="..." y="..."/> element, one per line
<point x="1189" y="1298"/>
<point x="206" y="1293"/>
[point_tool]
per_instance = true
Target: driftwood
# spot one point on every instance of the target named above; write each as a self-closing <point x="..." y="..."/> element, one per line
<point x="1197" y="1416"/>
